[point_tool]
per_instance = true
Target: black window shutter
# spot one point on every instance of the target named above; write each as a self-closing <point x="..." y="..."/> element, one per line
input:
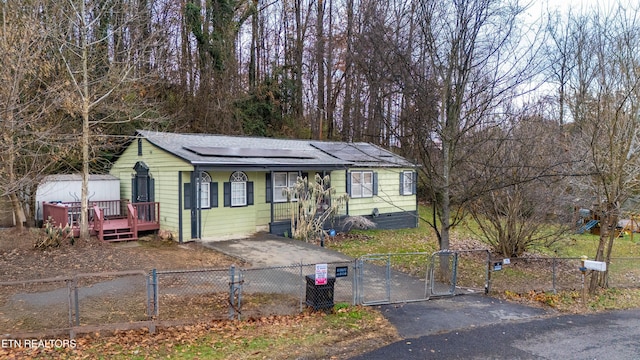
<point x="375" y="183"/>
<point x="349" y="183"/>
<point x="187" y="195"/>
<point x="250" y="193"/>
<point x="227" y="194"/>
<point x="401" y="182"/>
<point x="139" y="147"/>
<point x="415" y="183"/>
<point x="134" y="190"/>
<point x="213" y="192"/>
<point x="269" y="189"/>
<point x="152" y="190"/>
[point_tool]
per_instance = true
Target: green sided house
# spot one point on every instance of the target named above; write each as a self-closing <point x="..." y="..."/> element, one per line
<point x="215" y="187"/>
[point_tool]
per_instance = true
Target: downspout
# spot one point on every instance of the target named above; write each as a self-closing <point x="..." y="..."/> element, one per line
<point x="199" y="201"/>
<point x="180" y="195"/>
<point x="346" y="179"/>
<point x="193" y="218"/>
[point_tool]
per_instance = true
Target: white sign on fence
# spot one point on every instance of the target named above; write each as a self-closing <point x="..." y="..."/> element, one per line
<point x="595" y="265"/>
<point x="321" y="274"/>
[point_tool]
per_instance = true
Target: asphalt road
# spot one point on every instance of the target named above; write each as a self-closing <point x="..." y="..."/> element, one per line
<point x="610" y="335"/>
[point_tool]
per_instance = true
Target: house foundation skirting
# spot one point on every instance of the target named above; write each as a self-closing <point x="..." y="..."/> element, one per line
<point x="389" y="221"/>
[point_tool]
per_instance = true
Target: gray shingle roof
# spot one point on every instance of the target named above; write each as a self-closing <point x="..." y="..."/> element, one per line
<point x="78" y="177"/>
<point x="225" y="151"/>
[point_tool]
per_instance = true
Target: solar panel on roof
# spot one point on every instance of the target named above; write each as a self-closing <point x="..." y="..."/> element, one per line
<point x="247" y="152"/>
<point x="352" y="152"/>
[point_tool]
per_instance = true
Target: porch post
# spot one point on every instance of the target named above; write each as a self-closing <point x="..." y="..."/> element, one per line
<point x="271" y="204"/>
<point x="194" y="211"/>
<point x="199" y="200"/>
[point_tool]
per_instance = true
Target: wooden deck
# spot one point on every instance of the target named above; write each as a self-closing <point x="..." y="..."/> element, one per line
<point x="112" y="220"/>
<point x="119" y="229"/>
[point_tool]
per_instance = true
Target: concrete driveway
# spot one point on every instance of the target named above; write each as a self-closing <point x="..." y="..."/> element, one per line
<point x="266" y="250"/>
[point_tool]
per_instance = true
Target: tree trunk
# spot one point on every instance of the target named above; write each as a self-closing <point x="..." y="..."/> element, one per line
<point x="348" y="79"/>
<point x="330" y="105"/>
<point x="320" y="106"/>
<point x="298" y="53"/>
<point x="84" y="198"/>
<point x="253" y="54"/>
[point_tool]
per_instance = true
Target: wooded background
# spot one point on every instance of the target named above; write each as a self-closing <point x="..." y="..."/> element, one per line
<point x="513" y="115"/>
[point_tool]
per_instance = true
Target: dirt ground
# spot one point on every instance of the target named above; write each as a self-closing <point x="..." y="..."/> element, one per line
<point x="103" y="299"/>
<point x="19" y="260"/>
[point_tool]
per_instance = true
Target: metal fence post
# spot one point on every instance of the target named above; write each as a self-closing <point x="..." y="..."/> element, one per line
<point x="302" y="288"/>
<point x="388" y="279"/>
<point x="360" y="281"/>
<point x="487" y="285"/>
<point x="76" y="298"/>
<point x="148" y="288"/>
<point x="152" y="294"/>
<point x="232" y="280"/>
<point x="554" y="276"/>
<point x="239" y="290"/>
<point x="70" y="292"/>
<point x="454" y="276"/>
<point x="487" y="288"/>
<point x="354" y="283"/>
<point x="156" y="285"/>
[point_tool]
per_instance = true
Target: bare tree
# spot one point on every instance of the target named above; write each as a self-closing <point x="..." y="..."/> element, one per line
<point x="605" y="106"/>
<point x="27" y="122"/>
<point x="526" y="203"/>
<point x="98" y="65"/>
<point x="478" y="63"/>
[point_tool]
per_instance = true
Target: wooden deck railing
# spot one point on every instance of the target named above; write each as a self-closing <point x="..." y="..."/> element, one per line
<point x="139" y="216"/>
<point x="69" y="212"/>
<point x="59" y="214"/>
<point x="147" y="213"/>
<point x="132" y="218"/>
<point x="98" y="221"/>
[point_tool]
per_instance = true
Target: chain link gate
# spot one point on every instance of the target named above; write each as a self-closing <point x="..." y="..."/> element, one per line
<point x="443" y="273"/>
<point x="405" y="277"/>
<point x="392" y="278"/>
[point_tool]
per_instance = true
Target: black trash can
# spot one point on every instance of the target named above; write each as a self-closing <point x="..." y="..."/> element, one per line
<point x="320" y="297"/>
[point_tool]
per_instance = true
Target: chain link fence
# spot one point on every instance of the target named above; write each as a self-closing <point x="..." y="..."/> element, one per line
<point x="67" y="304"/>
<point x="624" y="273"/>
<point x="36" y="305"/>
<point x="190" y="294"/>
<point x="129" y="297"/>
<point x="290" y="289"/>
<point x="522" y="275"/>
<point x="472" y="271"/>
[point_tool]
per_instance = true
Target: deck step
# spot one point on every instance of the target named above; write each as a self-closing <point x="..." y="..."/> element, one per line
<point x="124" y="234"/>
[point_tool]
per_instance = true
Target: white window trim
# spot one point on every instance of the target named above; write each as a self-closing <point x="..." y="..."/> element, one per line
<point x="407" y="180"/>
<point x="362" y="185"/>
<point x="239" y="178"/>
<point x="278" y="190"/>
<point x="205" y="184"/>
<point x="205" y="195"/>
